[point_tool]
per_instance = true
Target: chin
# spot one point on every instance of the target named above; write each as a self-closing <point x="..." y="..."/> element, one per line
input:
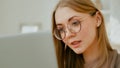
<point x="78" y="51"/>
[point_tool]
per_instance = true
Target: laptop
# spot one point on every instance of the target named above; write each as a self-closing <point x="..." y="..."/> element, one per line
<point x="31" y="50"/>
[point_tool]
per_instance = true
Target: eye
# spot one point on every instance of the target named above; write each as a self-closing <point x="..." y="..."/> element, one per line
<point x="60" y="30"/>
<point x="75" y="23"/>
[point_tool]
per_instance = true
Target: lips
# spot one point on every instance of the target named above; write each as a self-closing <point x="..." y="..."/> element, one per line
<point x="75" y="44"/>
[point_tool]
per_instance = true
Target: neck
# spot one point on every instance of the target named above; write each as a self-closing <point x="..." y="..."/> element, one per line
<point x="92" y="54"/>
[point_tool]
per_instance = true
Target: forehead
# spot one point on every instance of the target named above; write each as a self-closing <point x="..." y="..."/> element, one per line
<point x="63" y="14"/>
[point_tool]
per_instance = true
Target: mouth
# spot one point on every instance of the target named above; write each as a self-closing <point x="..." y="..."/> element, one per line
<point x="75" y="44"/>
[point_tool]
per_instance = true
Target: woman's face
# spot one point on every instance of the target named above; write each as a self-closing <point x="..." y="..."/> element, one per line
<point x="80" y="41"/>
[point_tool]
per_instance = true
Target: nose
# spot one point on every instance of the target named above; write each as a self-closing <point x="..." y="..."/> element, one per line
<point x="69" y="34"/>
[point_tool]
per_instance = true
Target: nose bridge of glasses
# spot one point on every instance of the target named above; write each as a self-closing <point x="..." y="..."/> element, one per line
<point x="68" y="32"/>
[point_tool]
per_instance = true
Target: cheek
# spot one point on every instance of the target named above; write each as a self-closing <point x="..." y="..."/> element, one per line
<point x="65" y="41"/>
<point x="88" y="33"/>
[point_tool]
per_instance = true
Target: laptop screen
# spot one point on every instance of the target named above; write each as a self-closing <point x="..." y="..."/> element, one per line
<point x="32" y="50"/>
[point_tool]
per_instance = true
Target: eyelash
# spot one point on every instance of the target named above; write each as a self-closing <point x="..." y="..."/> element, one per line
<point x="76" y="22"/>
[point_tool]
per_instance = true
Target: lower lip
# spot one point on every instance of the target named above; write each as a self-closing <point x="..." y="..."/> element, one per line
<point x="76" y="45"/>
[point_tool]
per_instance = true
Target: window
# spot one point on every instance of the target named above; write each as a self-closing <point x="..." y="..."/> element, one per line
<point x="29" y="28"/>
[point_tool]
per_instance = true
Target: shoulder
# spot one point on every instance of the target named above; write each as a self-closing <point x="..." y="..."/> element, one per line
<point x="118" y="61"/>
<point x="115" y="59"/>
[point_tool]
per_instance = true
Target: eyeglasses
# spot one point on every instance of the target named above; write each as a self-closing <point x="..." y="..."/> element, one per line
<point x="73" y="27"/>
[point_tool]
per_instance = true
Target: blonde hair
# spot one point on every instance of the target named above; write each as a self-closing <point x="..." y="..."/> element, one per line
<point x="66" y="57"/>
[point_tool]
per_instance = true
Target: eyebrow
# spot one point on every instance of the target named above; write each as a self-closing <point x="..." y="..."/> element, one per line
<point x="58" y="24"/>
<point x="72" y="18"/>
<point x="68" y="20"/>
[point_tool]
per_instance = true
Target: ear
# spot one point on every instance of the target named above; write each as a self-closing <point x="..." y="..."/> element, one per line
<point x="98" y="19"/>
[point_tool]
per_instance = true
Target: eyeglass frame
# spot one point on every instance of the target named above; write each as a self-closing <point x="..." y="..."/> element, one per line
<point x="68" y="29"/>
<point x="91" y="13"/>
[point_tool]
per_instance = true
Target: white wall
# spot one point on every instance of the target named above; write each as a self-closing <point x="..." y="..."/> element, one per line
<point x="15" y="12"/>
<point x="115" y="21"/>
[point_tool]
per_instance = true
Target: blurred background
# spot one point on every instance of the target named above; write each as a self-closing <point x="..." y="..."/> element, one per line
<point x="22" y="23"/>
<point x="26" y="16"/>
<point x="23" y="16"/>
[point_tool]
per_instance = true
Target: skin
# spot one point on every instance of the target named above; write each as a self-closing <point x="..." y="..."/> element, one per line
<point x="85" y="41"/>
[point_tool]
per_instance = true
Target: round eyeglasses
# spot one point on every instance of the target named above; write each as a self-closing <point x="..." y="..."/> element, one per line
<point x="73" y="27"/>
